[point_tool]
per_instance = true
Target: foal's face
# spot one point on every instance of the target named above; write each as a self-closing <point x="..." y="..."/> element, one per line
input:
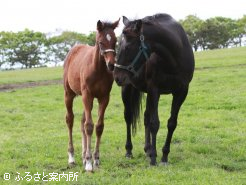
<point x="106" y="41"/>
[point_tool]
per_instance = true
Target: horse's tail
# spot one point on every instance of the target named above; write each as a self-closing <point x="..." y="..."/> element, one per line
<point x="136" y="107"/>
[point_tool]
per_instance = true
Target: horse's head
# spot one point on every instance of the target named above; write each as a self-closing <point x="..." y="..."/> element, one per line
<point x="106" y="40"/>
<point x="132" y="52"/>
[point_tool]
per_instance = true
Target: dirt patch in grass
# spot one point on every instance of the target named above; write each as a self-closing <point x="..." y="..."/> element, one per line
<point x="11" y="87"/>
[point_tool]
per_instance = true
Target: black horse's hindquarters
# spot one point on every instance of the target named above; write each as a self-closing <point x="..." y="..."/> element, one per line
<point x="172" y="76"/>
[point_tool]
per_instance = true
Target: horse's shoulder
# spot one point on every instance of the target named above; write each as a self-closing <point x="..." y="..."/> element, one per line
<point x="78" y="47"/>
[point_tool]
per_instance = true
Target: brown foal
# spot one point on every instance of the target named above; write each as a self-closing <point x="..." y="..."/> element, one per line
<point x="87" y="72"/>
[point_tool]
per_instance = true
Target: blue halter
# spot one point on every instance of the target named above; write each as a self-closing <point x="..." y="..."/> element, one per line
<point x="143" y="49"/>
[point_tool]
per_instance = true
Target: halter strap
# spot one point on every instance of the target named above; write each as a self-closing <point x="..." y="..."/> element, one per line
<point x="143" y="49"/>
<point x="106" y="51"/>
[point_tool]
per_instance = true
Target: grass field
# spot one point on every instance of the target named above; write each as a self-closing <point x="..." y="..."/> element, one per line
<point x="30" y="75"/>
<point x="208" y="146"/>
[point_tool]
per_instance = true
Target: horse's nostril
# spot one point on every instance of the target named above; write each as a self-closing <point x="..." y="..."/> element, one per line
<point x="117" y="80"/>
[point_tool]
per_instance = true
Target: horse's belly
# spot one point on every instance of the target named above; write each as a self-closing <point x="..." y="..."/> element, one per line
<point x="74" y="84"/>
<point x="75" y="87"/>
<point x="101" y="87"/>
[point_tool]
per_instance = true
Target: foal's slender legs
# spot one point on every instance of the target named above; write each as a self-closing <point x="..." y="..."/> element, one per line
<point x="178" y="99"/>
<point x="103" y="102"/>
<point x="84" y="138"/>
<point x="69" y="97"/>
<point x="88" y="127"/>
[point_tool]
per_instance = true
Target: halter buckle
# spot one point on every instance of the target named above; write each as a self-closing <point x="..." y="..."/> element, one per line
<point x="141" y="37"/>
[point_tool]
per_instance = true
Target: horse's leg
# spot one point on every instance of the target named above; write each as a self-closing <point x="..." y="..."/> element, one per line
<point x="88" y="126"/>
<point x="103" y="103"/>
<point x="147" y="146"/>
<point x="154" y="123"/>
<point x="68" y="97"/>
<point x="178" y="99"/>
<point x="125" y="94"/>
<point x="84" y="139"/>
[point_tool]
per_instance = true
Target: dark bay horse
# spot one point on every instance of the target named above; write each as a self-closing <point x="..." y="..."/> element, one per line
<point x="154" y="57"/>
<point x="87" y="73"/>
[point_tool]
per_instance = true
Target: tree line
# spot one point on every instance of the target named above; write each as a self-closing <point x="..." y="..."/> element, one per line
<point x="215" y="33"/>
<point x="35" y="49"/>
<point x="29" y="49"/>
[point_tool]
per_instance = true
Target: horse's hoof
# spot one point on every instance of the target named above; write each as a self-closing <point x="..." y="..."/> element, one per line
<point x="84" y="162"/>
<point x="71" y="160"/>
<point x="164" y="163"/>
<point x="71" y="163"/>
<point x="96" y="163"/>
<point x="88" y="166"/>
<point x="153" y="162"/>
<point x="129" y="156"/>
<point x="148" y="154"/>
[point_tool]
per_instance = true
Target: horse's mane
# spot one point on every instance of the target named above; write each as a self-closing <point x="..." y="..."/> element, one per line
<point x="108" y="24"/>
<point x="153" y="18"/>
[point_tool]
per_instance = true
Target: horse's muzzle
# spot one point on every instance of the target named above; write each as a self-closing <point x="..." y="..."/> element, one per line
<point x="118" y="81"/>
<point x="122" y="81"/>
<point x="110" y="66"/>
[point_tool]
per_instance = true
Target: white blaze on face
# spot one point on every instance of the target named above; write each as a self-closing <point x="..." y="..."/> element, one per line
<point x="108" y="37"/>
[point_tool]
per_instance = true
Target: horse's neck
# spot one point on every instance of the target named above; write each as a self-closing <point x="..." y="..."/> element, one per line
<point x="98" y="59"/>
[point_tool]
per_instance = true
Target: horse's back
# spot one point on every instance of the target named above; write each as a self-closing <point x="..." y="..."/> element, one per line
<point x="75" y="53"/>
<point x="76" y="57"/>
<point x="170" y="28"/>
<point x="173" y="37"/>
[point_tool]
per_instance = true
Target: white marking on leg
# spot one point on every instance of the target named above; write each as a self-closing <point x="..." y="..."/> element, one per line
<point x="88" y="166"/>
<point x="71" y="159"/>
<point x="84" y="148"/>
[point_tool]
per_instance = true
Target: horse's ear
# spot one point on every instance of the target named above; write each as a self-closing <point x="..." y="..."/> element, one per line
<point x="100" y="26"/>
<point x="125" y="21"/>
<point x="138" y="25"/>
<point x="116" y="23"/>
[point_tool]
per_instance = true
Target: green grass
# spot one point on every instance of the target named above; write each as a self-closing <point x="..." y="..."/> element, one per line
<point x="30" y="75"/>
<point x="208" y="146"/>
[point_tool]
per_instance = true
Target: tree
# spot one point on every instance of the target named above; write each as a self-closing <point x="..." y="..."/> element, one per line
<point x="241" y="31"/>
<point x="91" y="38"/>
<point x="25" y="48"/>
<point x="58" y="46"/>
<point x="3" y="42"/>
<point x="192" y="25"/>
<point x="216" y="32"/>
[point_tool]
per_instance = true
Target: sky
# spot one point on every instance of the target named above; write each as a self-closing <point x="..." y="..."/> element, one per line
<point x="82" y="15"/>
